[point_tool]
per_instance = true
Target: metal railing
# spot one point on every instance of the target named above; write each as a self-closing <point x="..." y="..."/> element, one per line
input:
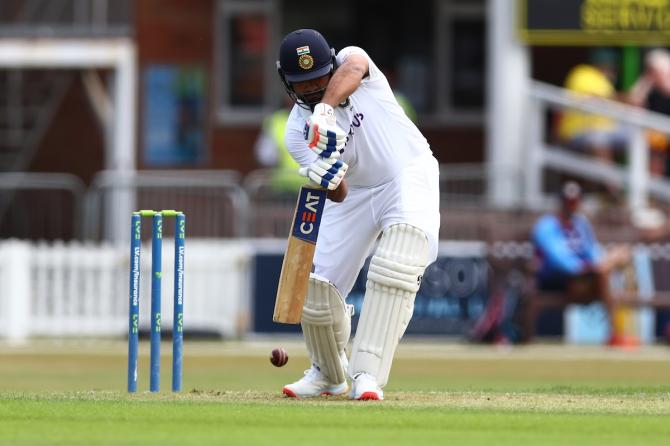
<point x="215" y="202"/>
<point x="465" y="184"/>
<point x="271" y="210"/>
<point x="28" y="104"/>
<point x="65" y="18"/>
<point x="635" y="175"/>
<point x="219" y="204"/>
<point x="41" y="205"/>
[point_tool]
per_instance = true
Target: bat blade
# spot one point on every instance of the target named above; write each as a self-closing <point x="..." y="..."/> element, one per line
<point x="297" y="263"/>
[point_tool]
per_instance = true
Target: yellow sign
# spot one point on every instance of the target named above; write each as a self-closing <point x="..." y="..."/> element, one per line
<point x="594" y="22"/>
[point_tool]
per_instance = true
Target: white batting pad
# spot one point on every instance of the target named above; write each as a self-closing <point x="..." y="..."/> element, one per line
<point x="393" y="280"/>
<point x="326" y="324"/>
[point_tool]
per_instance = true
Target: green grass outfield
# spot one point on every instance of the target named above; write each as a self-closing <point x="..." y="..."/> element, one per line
<point x="72" y="393"/>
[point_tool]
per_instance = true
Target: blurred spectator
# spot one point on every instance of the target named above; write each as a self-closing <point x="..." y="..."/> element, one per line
<point x="585" y="131"/>
<point x="652" y="90"/>
<point x="651" y="223"/>
<point x="406" y="106"/>
<point x="271" y="151"/>
<point x="403" y="100"/>
<point x="570" y="258"/>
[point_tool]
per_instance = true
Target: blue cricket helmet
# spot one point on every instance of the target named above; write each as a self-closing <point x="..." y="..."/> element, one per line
<point x="304" y="55"/>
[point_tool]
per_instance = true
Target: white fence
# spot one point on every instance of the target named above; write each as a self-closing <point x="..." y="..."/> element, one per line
<point x="82" y="289"/>
<point x="635" y="175"/>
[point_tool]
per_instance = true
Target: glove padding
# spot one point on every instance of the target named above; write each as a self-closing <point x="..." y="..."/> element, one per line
<point x="322" y="133"/>
<point x="326" y="172"/>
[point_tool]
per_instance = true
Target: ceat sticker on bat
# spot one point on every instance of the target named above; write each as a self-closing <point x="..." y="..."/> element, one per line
<point x="308" y="214"/>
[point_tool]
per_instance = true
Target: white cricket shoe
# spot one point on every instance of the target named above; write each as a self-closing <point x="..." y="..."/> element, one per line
<point x="364" y="387"/>
<point x="314" y="384"/>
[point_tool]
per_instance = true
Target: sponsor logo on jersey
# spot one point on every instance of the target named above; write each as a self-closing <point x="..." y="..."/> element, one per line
<point x="356" y="121"/>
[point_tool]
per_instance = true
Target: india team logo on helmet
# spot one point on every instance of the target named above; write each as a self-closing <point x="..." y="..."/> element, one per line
<point x="305" y="60"/>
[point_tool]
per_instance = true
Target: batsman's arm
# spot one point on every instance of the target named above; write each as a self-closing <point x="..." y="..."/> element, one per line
<point x="346" y="79"/>
<point x="338" y="195"/>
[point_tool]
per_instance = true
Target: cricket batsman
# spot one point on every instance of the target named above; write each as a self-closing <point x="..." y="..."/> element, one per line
<point x="349" y="135"/>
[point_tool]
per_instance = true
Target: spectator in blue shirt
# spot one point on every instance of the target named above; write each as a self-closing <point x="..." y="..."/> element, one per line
<point x="570" y="258"/>
<point x="565" y="243"/>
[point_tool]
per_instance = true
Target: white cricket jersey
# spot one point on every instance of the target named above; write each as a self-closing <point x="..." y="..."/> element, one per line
<point x="382" y="140"/>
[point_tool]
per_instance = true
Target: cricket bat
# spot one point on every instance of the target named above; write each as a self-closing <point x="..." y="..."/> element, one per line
<point x="297" y="263"/>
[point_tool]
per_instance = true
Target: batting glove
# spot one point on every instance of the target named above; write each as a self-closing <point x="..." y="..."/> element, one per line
<point x="326" y="172"/>
<point x="322" y="133"/>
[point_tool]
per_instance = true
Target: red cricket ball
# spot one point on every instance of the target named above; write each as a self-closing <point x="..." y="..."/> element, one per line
<point x="278" y="357"/>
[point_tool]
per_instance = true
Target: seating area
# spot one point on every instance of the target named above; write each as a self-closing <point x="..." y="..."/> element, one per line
<point x="511" y="264"/>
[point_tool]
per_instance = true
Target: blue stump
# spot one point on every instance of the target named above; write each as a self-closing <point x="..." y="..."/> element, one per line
<point x="134" y="313"/>
<point x="178" y="315"/>
<point x="156" y="263"/>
